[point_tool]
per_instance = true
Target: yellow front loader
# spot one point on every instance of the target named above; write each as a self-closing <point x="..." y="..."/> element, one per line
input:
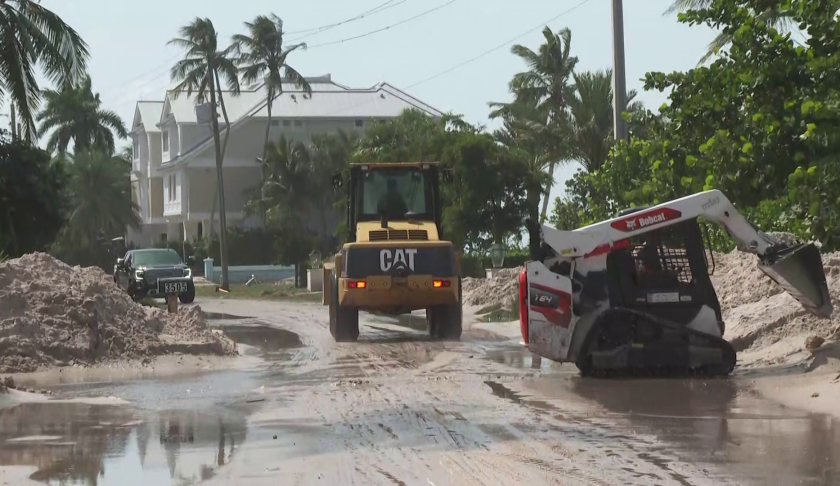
<point x="395" y="260"/>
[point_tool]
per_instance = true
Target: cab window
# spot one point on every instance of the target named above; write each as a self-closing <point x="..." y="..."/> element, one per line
<point x="395" y="191"/>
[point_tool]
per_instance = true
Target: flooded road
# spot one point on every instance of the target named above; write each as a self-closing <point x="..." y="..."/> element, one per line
<point x="398" y="409"/>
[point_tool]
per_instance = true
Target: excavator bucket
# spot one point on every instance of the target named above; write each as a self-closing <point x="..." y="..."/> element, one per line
<point x="799" y="271"/>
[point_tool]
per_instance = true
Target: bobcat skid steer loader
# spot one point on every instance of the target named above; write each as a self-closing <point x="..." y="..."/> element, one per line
<point x="633" y="294"/>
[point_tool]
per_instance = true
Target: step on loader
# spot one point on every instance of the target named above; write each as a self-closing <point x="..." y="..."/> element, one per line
<point x="633" y="295"/>
<point x="395" y="260"/>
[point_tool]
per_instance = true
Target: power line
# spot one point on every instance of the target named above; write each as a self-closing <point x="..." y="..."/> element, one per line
<point x="340" y="41"/>
<point x="473" y="59"/>
<point x="317" y="30"/>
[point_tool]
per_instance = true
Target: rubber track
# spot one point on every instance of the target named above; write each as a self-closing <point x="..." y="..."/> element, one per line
<point x="632" y="315"/>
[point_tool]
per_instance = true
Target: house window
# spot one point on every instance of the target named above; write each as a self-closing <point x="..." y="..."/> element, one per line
<point x="275" y="123"/>
<point x="163" y="237"/>
<point x="136" y="149"/>
<point x="200" y="230"/>
<point x="360" y="123"/>
<point x="287" y="123"/>
<point x="298" y="123"/>
<point x="165" y="136"/>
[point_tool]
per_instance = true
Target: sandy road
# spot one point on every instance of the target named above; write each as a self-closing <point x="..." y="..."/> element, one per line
<point x="397" y="409"/>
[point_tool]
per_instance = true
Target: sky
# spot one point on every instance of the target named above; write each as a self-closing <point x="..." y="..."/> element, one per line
<point x="130" y="58"/>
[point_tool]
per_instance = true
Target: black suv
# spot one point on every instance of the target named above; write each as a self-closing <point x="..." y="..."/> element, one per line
<point x="154" y="272"/>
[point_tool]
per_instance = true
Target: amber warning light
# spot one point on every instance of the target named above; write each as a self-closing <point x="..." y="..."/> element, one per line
<point x="357" y="285"/>
<point x="441" y="283"/>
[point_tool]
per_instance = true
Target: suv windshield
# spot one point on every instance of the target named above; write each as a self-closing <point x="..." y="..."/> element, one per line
<point x="156" y="257"/>
<point x="395" y="191"/>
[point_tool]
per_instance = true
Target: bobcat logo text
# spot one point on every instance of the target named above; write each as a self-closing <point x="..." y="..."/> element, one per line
<point x="389" y="258"/>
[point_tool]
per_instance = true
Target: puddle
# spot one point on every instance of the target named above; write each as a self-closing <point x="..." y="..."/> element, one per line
<point x="265" y="338"/>
<point x="519" y="357"/>
<point x="215" y="316"/>
<point x="700" y="421"/>
<point x="106" y="445"/>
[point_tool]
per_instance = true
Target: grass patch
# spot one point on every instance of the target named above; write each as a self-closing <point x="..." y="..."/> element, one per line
<point x="501" y="315"/>
<point x="262" y="291"/>
<point x="150" y="302"/>
<point x="489" y="308"/>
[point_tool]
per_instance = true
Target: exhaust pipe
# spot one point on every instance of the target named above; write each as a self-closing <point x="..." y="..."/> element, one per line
<point x="799" y="271"/>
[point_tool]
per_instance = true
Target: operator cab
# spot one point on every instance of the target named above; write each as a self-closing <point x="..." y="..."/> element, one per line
<point x="664" y="272"/>
<point x="393" y="193"/>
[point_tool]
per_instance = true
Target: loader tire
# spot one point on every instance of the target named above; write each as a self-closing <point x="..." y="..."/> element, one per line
<point x="445" y="322"/>
<point x="344" y="321"/>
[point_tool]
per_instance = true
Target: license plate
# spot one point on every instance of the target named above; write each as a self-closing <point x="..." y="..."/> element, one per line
<point x="663" y="297"/>
<point x="173" y="287"/>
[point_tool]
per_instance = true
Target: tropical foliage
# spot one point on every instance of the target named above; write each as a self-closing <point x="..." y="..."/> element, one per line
<point x="33" y="35"/>
<point x="32" y="206"/>
<point x="99" y="206"/>
<point x="760" y="123"/>
<point x="74" y="113"/>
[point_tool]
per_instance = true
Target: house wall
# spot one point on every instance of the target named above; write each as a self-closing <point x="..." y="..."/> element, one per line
<point x="202" y="188"/>
<point x="246" y="142"/>
<point x="155" y="153"/>
<point x="156" y="197"/>
<point x="192" y="135"/>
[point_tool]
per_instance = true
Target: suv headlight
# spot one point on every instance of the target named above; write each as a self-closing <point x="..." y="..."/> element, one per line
<point x="188" y="272"/>
<point x="138" y="274"/>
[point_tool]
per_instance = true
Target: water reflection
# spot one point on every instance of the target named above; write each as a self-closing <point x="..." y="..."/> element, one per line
<point x="721" y="421"/>
<point x="102" y="445"/>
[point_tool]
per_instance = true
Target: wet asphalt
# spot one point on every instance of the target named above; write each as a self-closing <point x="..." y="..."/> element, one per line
<point x="184" y="430"/>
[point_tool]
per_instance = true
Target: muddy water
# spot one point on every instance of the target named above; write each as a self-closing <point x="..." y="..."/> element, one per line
<point x="720" y="422"/>
<point x="178" y="430"/>
<point x="398" y="408"/>
<point x="104" y="445"/>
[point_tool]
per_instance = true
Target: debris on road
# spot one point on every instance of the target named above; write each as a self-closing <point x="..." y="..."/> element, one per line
<point x="501" y="289"/>
<point x="814" y="342"/>
<point x="52" y="314"/>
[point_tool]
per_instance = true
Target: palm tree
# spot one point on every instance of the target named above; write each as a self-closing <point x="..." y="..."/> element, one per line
<point x="75" y="113"/>
<point x="329" y="154"/>
<point x="263" y="57"/>
<point x="287" y="169"/>
<point x="527" y="130"/>
<point x="31" y="35"/>
<point x="544" y="89"/>
<point x="779" y="20"/>
<point x="101" y="195"/>
<point x="591" y="116"/>
<point x="200" y="72"/>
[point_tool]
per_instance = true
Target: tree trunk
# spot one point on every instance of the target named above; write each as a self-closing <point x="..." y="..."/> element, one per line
<point x="214" y="123"/>
<point x="13" y="121"/>
<point x="224" y="151"/>
<point x="269" y="102"/>
<point x="548" y="186"/>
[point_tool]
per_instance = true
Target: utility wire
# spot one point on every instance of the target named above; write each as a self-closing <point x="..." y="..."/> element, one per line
<point x="340" y="41"/>
<point x="317" y="30"/>
<point x="473" y="59"/>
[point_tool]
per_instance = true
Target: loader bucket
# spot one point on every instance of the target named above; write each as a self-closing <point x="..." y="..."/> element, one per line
<point x="799" y="271"/>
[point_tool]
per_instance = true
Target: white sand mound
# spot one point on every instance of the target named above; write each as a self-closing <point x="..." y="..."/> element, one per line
<point x="502" y="289"/>
<point x="55" y="314"/>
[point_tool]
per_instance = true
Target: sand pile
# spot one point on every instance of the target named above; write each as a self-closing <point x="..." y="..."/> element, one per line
<point x="763" y="322"/>
<point x="502" y="289"/>
<point x="55" y="314"/>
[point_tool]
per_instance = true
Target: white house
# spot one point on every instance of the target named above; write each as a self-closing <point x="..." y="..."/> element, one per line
<point x="174" y="169"/>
